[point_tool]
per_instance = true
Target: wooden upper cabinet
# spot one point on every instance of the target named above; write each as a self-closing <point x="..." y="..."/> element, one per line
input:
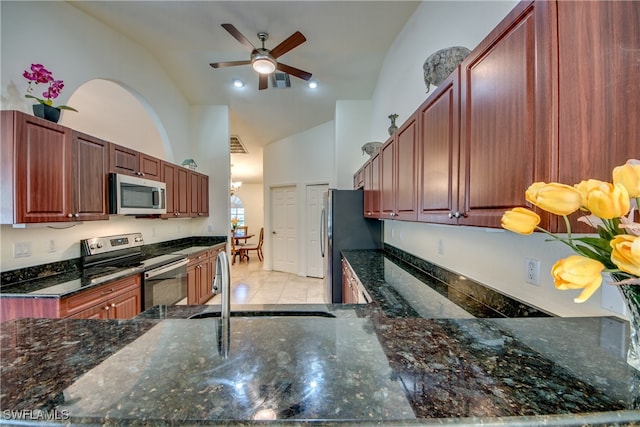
<point x="387" y="170"/>
<point x="371" y="187"/>
<point x="127" y="161"/>
<point x="178" y="196"/>
<point x="199" y="190"/>
<point x="150" y="167"/>
<point x="406" y="170"/>
<point x="506" y="132"/>
<point x="204" y="195"/>
<point x="51" y="173"/>
<point x="599" y="91"/>
<point x="90" y="160"/>
<point x="42" y="170"/>
<point x="438" y="139"/>
<point x="124" y="160"/>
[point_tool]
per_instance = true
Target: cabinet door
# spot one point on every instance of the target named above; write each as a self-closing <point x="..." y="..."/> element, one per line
<point x="150" y="167"/>
<point x="125" y="306"/>
<point x="90" y="159"/>
<point x="406" y="171"/>
<point x="438" y="138"/>
<point x="124" y="160"/>
<point x="387" y="163"/>
<point x="194" y="189"/>
<point x="375" y="186"/>
<point x="182" y="193"/>
<point x="169" y="176"/>
<point x="99" y="311"/>
<point x="43" y="171"/>
<point x="204" y="283"/>
<point x="506" y="114"/>
<point x="599" y="92"/>
<point x="203" y="187"/>
<point x="193" y="277"/>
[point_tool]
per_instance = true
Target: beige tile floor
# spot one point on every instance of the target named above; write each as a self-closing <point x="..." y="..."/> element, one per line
<point x="250" y="284"/>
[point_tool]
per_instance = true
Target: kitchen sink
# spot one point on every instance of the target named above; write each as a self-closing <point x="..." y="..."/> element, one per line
<point x="280" y="313"/>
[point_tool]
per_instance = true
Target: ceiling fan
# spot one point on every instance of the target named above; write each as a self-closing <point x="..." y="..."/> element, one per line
<point x="263" y="60"/>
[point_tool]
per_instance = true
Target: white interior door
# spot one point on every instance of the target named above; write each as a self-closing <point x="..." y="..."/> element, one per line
<point x="284" y="234"/>
<point x="315" y="197"/>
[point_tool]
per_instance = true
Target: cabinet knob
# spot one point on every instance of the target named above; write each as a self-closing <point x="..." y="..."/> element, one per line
<point x="113" y="304"/>
<point x="107" y="308"/>
<point x="69" y="215"/>
<point x="77" y="215"/>
<point x="457" y="214"/>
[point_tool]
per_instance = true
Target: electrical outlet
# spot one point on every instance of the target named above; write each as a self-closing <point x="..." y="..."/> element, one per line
<point x="441" y="247"/>
<point x="52" y="246"/>
<point x="210" y="228"/>
<point x="533" y="271"/>
<point x="21" y="249"/>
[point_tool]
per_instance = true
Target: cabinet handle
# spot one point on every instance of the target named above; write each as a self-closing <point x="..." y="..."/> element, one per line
<point x="107" y="292"/>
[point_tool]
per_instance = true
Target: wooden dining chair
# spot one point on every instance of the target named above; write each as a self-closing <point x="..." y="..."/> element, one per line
<point x="237" y="252"/>
<point x="257" y="248"/>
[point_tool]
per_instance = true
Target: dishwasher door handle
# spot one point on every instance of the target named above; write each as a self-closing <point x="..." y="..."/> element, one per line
<point x="165" y="268"/>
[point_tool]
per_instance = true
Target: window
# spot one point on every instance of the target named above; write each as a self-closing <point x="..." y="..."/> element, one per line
<point x="237" y="209"/>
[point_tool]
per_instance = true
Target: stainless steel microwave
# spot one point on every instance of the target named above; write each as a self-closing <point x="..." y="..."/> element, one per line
<point x="131" y="195"/>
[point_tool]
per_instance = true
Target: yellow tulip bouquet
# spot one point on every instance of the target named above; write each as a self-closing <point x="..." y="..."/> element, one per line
<point x="609" y="208"/>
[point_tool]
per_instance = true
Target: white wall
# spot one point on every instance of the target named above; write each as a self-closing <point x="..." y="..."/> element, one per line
<point x="353" y="119"/>
<point x="79" y="49"/>
<point x="252" y="196"/>
<point x="493" y="257"/>
<point x="301" y="159"/>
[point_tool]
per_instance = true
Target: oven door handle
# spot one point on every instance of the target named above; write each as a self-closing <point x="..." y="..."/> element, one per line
<point x="161" y="270"/>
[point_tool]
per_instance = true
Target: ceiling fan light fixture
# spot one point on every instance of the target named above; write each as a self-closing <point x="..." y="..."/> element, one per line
<point x="238" y="83"/>
<point x="313" y="84"/>
<point x="263" y="63"/>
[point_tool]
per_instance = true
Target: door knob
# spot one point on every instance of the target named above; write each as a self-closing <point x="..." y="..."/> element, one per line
<point x="273" y="232"/>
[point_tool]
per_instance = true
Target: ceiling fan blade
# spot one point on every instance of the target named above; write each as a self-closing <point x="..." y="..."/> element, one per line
<point x="294" y="40"/>
<point x="229" y="64"/>
<point x="294" y="71"/>
<point x="263" y="81"/>
<point x="238" y="36"/>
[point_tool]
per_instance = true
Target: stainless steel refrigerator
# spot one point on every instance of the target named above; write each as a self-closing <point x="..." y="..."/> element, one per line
<point x="343" y="226"/>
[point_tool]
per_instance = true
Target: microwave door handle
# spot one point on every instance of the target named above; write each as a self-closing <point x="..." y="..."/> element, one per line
<point x="155" y="197"/>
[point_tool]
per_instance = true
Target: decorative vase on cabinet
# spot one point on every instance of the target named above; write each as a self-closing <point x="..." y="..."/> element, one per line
<point x="393" y="126"/>
<point x="46" y="112"/>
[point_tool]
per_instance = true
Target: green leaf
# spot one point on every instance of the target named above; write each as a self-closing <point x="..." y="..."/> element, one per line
<point x="66" y="107"/>
<point x="602" y="244"/>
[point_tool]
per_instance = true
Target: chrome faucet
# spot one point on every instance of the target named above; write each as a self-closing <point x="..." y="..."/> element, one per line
<point x="222" y="282"/>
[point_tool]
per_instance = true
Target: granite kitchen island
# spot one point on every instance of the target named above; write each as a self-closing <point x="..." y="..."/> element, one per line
<point x="412" y="357"/>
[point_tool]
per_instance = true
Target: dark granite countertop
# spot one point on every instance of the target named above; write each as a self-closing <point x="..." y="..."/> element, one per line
<point x="371" y="370"/>
<point x="46" y="282"/>
<point x="411" y="358"/>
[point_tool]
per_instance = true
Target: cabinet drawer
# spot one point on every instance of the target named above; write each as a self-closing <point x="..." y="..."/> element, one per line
<point x="84" y="300"/>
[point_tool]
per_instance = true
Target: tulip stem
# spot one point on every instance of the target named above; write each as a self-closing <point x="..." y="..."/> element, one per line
<point x="565" y="241"/>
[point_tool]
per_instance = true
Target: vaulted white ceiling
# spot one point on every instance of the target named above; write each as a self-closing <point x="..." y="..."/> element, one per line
<point x="346" y="45"/>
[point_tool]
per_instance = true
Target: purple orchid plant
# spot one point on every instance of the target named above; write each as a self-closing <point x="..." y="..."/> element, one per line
<point x="39" y="74"/>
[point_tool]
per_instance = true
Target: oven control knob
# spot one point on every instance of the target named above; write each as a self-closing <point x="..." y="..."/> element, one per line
<point x="138" y="239"/>
<point x="92" y="246"/>
<point x="98" y="245"/>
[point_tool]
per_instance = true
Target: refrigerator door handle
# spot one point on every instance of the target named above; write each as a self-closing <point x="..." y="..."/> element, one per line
<point x="322" y="232"/>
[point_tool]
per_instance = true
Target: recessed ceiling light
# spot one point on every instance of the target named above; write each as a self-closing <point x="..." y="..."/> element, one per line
<point x="238" y="83"/>
<point x="313" y="84"/>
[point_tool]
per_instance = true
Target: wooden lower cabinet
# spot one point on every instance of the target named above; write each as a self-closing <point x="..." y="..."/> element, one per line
<point x="201" y="271"/>
<point x="350" y="285"/>
<point x="121" y="299"/>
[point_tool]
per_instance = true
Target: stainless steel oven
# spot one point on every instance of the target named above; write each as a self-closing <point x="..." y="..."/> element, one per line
<point x="164" y="277"/>
<point x="166" y="284"/>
